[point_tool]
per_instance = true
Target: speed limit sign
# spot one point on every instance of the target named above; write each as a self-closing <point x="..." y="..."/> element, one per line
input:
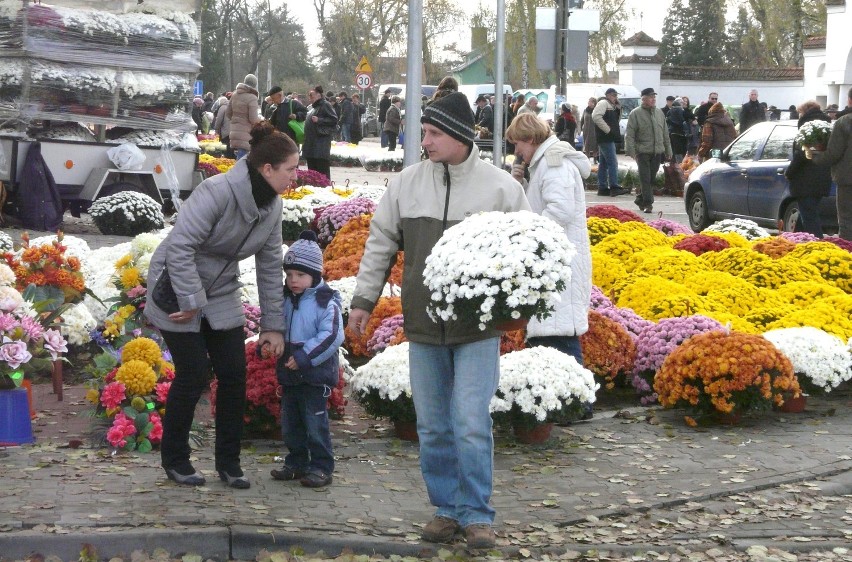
<point x="363" y="81"/>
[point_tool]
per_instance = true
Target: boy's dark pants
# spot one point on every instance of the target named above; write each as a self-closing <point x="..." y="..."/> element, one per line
<point x="304" y="425"/>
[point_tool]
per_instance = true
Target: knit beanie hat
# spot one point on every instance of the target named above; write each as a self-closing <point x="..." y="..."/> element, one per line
<point x="305" y="255"/>
<point x="251" y="81"/>
<point x="451" y="114"/>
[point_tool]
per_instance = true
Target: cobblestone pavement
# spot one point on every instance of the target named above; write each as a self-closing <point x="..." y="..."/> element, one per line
<point x="629" y="480"/>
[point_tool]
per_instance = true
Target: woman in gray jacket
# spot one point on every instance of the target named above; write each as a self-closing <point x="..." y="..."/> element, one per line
<point x="227" y="218"/>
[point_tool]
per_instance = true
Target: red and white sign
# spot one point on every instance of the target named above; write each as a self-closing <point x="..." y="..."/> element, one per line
<point x="363" y="81"/>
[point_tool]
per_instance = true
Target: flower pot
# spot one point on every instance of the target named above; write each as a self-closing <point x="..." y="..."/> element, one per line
<point x="56" y="378"/>
<point x="731" y="418"/>
<point x="512" y="325"/>
<point x="794" y="405"/>
<point x="16" y="427"/>
<point x="405" y="430"/>
<point x="533" y="435"/>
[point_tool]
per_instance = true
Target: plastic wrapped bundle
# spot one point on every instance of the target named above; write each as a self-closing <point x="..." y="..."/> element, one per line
<point x="95" y="28"/>
<point x="61" y="87"/>
<point x="10" y="23"/>
<point x="11" y="79"/>
<point x="185" y="24"/>
<point x="152" y="94"/>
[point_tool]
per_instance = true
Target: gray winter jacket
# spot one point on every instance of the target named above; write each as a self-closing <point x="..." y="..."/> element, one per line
<point x="209" y="228"/>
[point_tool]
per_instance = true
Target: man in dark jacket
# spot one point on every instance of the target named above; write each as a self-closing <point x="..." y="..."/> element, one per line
<point x="288" y="110"/>
<point x="384" y="105"/>
<point x="486" y="114"/>
<point x="751" y="112"/>
<point x="704" y="108"/>
<point x="839" y="155"/>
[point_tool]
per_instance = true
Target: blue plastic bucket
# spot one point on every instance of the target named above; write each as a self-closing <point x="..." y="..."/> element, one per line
<point x="16" y="426"/>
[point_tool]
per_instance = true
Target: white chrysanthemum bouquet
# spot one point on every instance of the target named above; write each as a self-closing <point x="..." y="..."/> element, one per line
<point x="813" y="135"/>
<point x="820" y="360"/>
<point x="498" y="267"/>
<point x="541" y="384"/>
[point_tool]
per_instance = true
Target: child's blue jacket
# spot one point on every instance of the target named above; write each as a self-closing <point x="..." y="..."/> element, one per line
<point x="314" y="324"/>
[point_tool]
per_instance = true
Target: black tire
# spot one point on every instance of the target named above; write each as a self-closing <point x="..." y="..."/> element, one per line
<point x="697" y="212"/>
<point x="790" y="215"/>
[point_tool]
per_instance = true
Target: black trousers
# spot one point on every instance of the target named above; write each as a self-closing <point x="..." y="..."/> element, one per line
<point x="193" y="353"/>
<point x="320" y="165"/>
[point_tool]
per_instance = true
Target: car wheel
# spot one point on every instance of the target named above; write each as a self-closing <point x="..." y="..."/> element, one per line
<point x="790" y="216"/>
<point x="696" y="210"/>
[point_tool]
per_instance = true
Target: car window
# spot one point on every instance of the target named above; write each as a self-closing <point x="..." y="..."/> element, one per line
<point x="779" y="144"/>
<point x="745" y="147"/>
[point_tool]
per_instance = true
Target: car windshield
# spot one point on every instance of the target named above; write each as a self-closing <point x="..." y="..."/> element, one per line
<point x="779" y="145"/>
<point x="745" y="147"/>
<point x="628" y="105"/>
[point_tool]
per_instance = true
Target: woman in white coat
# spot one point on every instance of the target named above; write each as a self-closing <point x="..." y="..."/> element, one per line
<point x="555" y="190"/>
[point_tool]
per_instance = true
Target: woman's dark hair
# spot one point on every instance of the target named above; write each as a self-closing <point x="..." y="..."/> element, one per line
<point x="318" y="89"/>
<point x="448" y="83"/>
<point x="269" y="146"/>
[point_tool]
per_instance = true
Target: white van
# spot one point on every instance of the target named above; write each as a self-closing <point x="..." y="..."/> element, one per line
<point x="399" y="90"/>
<point x="473" y="91"/>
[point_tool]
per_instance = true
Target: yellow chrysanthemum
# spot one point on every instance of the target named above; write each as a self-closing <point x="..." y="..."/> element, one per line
<point x="674" y="265"/>
<point x="142" y="349"/>
<point x="676" y="306"/>
<point x="832" y="315"/>
<point x="733" y="260"/>
<point x="606" y="270"/>
<point x="703" y="282"/>
<point x="734" y="239"/>
<point x="130" y="277"/>
<point x="741" y="299"/>
<point x="761" y="317"/>
<point x="93" y="395"/>
<point x="601" y="228"/>
<point x="165" y="365"/>
<point x="626" y="243"/>
<point x="735" y="322"/>
<point x="804" y="293"/>
<point x="122" y="261"/>
<point x="834" y="264"/>
<point x="138" y="377"/>
<point x="774" y="273"/>
<point x="639" y="293"/>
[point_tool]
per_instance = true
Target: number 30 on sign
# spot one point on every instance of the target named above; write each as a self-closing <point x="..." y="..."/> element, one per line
<point x="363" y="81"/>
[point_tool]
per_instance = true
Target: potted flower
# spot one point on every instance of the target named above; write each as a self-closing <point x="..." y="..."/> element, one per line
<point x="129" y="393"/>
<point x="539" y="386"/>
<point x="46" y="266"/>
<point x="813" y="136"/>
<point x="127" y="213"/>
<point x="820" y="360"/>
<point x="498" y="267"/>
<point x="719" y="376"/>
<point x="608" y="349"/>
<point x="383" y="387"/>
<point x="748" y="229"/>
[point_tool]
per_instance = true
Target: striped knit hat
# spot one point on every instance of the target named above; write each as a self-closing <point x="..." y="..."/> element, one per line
<point x="451" y="114"/>
<point x="305" y="255"/>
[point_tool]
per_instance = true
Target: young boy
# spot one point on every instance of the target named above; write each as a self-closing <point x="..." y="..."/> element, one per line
<point x="308" y="369"/>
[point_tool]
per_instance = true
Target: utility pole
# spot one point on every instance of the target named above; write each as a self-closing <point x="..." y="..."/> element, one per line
<point x="499" y="65"/>
<point x="561" y="33"/>
<point x="413" y="83"/>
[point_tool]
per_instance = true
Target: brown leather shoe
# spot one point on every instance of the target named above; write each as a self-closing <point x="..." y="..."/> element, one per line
<point x="479" y="536"/>
<point x="440" y="529"/>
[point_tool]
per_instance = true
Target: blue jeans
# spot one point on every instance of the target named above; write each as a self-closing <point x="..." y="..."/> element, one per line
<point x="346" y="132"/>
<point x="607" y="166"/>
<point x="809" y="219"/>
<point x="304" y="426"/>
<point x="383" y="135"/>
<point x="239" y="152"/>
<point x="452" y="387"/>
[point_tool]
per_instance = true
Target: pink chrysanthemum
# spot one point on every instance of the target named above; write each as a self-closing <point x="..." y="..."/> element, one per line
<point x="156" y="433"/>
<point x="8" y="322"/>
<point x="32" y="328"/>
<point x="113" y="395"/>
<point x="136" y="291"/>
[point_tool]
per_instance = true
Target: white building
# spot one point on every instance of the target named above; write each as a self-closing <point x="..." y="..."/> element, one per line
<point x="824" y="78"/>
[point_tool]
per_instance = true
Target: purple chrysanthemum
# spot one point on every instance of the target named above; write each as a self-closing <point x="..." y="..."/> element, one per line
<point x="335" y="216"/>
<point x="798" y="237"/>
<point x="384" y="333"/>
<point x="839" y="242"/>
<point x="669" y="227"/>
<point x="657" y="341"/>
<point x="598" y="299"/>
<point x="632" y="322"/>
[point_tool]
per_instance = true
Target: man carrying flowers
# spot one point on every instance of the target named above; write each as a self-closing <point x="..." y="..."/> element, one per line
<point x="454" y="365"/>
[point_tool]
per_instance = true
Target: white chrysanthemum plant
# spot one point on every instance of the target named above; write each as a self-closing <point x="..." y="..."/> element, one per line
<point x="540" y="385"/>
<point x="813" y="135"/>
<point x="820" y="360"/>
<point x="498" y="267"/>
<point x="749" y="230"/>
<point x="346" y="288"/>
<point x="383" y="386"/>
